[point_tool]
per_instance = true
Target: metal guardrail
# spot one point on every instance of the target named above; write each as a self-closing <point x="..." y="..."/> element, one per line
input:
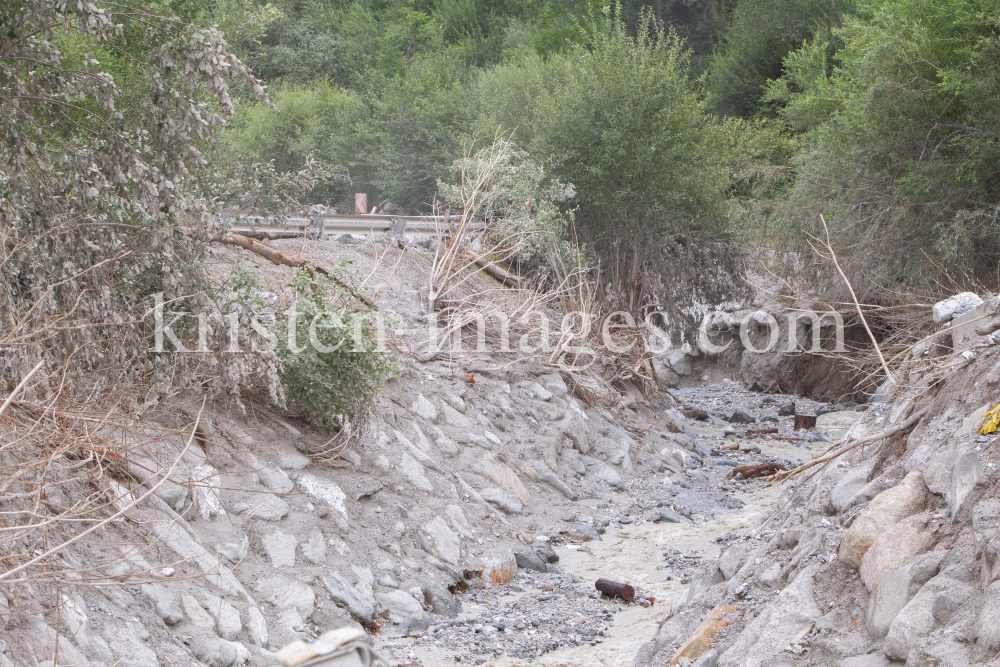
<point x="337" y="224"/>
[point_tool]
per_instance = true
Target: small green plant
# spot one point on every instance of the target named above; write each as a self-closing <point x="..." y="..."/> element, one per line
<point x="333" y="364"/>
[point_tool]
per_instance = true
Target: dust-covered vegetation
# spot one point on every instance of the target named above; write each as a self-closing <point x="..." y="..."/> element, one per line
<point x="652" y="147"/>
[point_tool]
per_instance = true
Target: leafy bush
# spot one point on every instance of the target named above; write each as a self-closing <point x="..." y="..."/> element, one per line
<point x="332" y="365"/>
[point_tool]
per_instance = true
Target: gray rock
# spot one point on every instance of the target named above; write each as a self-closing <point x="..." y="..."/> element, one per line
<point x="268" y="507"/>
<point x="455" y="401"/>
<point x="787" y="409"/>
<point x="165" y="603"/>
<point x="739" y="417"/>
<point x="275" y="480"/>
<point x="280" y="548"/>
<point x="443" y="541"/>
<point x="731" y="558"/>
<point x="440" y="599"/>
<point x="407" y="615"/>
<point x="216" y="652"/>
<point x="608" y="475"/>
<point x="914" y="621"/>
<point x="843" y="494"/>
<point x="580" y="530"/>
<point x="196" y="613"/>
<point x="413" y="471"/>
<point x="663" y="514"/>
<point x="424" y="408"/>
<point x="943" y="311"/>
<point x="552" y="480"/>
<point x="504" y="500"/>
<point x="988" y="624"/>
<point x="234" y="551"/>
<point x="256" y="626"/>
<point x="284" y="592"/>
<point x="527" y="559"/>
<point x="870" y="660"/>
<point x="554" y="383"/>
<point x="227" y="618"/>
<point x="387" y="579"/>
<point x="573" y="428"/>
<point x="768" y="634"/>
<point x="315" y="550"/>
<point x="895" y="589"/>
<point x="128" y="641"/>
<point x="680" y="362"/>
<point x="360" y="608"/>
<point x="545" y="550"/>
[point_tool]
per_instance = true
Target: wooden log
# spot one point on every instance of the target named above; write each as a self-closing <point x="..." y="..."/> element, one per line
<point x="763" y="431"/>
<point x="278" y="257"/>
<point x="746" y="472"/>
<point x="613" y="589"/>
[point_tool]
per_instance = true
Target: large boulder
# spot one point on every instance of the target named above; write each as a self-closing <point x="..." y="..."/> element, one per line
<point x="896" y="546"/>
<point x="895" y="588"/>
<point x="884" y="511"/>
<point x="773" y="630"/>
<point x="944" y="311"/>
<point x="407" y="615"/>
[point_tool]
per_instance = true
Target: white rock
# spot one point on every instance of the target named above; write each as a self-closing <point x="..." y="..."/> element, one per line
<point x="414" y="473"/>
<point x="196" y="613"/>
<point x="206" y="484"/>
<point x="256" y="626"/>
<point x="943" y="311"/>
<point x="324" y="490"/>
<point x="424" y="408"/>
<point x="227" y="618"/>
<point x="280" y="548"/>
<point x="444" y="542"/>
<point x="459" y="520"/>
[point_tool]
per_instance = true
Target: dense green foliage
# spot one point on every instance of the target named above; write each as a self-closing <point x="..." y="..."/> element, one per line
<point x="902" y="143"/>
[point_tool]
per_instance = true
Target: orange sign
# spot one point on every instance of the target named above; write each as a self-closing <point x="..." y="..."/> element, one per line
<point x="360" y="202"/>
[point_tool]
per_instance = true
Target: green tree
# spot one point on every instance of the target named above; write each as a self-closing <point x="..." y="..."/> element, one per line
<point x="759" y="36"/>
<point x="902" y="143"/>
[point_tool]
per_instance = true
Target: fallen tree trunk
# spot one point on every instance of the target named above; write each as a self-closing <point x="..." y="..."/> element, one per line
<point x="278" y="257"/>
<point x="491" y="269"/>
<point x="746" y="472"/>
<point x="613" y="589"/>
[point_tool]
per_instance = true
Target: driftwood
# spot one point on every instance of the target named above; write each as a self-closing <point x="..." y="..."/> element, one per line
<point x="613" y="589"/>
<point x="278" y="257"/>
<point x="491" y="269"/>
<point x="759" y="470"/>
<point x="804" y="422"/>
<point x="830" y="454"/>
